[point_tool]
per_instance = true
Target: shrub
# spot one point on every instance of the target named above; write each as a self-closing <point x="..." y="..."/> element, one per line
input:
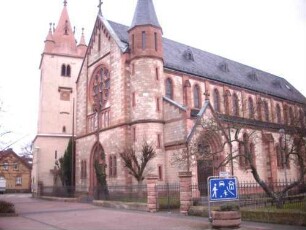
<point x="229" y="207"/>
<point x="6" y="207"/>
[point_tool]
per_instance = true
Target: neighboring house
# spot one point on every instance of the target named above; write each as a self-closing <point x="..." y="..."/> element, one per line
<point x="134" y="85"/>
<point x="16" y="171"/>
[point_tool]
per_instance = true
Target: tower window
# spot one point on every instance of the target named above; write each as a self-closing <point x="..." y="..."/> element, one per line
<point x="144" y="40"/>
<point x="169" y="88"/>
<point x="64" y="129"/>
<point x="157" y="105"/>
<point x="65" y="70"/>
<point x="156" y="41"/>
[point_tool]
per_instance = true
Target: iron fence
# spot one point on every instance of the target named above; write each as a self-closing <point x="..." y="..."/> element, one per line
<point x="168" y="196"/>
<point x="125" y="193"/>
<point x="252" y="195"/>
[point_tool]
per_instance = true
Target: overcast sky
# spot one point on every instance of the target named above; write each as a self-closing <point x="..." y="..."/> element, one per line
<point x="269" y="35"/>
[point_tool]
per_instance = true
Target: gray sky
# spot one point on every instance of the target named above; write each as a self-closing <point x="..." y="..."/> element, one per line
<point x="269" y="35"/>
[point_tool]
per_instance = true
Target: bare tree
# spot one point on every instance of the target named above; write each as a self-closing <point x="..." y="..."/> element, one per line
<point x="136" y="162"/>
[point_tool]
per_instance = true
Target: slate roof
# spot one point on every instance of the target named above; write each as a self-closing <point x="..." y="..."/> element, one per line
<point x="145" y="14"/>
<point x="197" y="62"/>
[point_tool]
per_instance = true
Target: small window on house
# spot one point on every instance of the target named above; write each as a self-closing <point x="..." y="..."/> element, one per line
<point x="5" y="166"/>
<point x="15" y="166"/>
<point x="112" y="166"/>
<point x="196" y="97"/>
<point x="144" y="40"/>
<point x="216" y="97"/>
<point x="169" y="88"/>
<point x="18" y="180"/>
<point x="235" y="105"/>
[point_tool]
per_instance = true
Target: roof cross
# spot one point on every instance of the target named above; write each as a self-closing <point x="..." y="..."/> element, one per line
<point x="99" y="6"/>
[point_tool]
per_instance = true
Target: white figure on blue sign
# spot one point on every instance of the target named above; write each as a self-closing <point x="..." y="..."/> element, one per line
<point x="231" y="185"/>
<point x="214" y="190"/>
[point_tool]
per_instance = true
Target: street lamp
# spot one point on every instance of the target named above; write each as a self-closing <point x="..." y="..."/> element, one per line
<point x="283" y="146"/>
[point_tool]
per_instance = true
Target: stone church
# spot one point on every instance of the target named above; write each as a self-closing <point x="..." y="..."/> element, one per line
<point x="132" y="85"/>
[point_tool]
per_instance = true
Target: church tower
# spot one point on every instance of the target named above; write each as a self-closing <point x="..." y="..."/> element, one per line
<point x="147" y="88"/>
<point x="60" y="64"/>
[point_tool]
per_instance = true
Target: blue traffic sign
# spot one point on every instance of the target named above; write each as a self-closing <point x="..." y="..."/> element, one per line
<point x="223" y="189"/>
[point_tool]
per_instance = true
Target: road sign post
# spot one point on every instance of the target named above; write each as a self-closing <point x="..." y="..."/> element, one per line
<point x="222" y="189"/>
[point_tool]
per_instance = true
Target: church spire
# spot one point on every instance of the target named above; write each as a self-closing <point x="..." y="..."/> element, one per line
<point x="63" y="34"/>
<point x="145" y="14"/>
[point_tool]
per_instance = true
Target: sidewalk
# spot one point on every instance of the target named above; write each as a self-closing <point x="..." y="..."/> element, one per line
<point x="41" y="214"/>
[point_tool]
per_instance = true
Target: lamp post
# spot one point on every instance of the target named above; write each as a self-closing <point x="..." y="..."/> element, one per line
<point x="283" y="146"/>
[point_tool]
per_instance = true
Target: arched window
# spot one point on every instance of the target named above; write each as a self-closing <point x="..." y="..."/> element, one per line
<point x="68" y="72"/>
<point x="226" y="102"/>
<point x="251" y="108"/>
<point x="63" y="70"/>
<point x="196" y="96"/>
<point x="246" y="152"/>
<point x="291" y="116"/>
<point x="259" y="109"/>
<point x="278" y="114"/>
<point x="266" y="110"/>
<point x="100" y="86"/>
<point x="235" y="105"/>
<point x="169" y="88"/>
<point x="279" y="156"/>
<point x="185" y="92"/>
<point x="302" y="118"/>
<point x="216" y="97"/>
<point x="285" y="114"/>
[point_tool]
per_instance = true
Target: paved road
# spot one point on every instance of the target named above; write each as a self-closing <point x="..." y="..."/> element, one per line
<point x="41" y="214"/>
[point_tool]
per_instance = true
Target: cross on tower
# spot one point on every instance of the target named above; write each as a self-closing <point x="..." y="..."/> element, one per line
<point x="99" y="6"/>
<point x="65" y="3"/>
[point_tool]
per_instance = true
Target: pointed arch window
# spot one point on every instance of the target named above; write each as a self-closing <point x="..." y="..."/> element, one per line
<point x="302" y="118"/>
<point x="251" y="108"/>
<point x="235" y="105"/>
<point x="196" y="96"/>
<point x="266" y="110"/>
<point x="226" y="102"/>
<point x="259" y="109"/>
<point x="100" y="86"/>
<point x="169" y="88"/>
<point x="216" y="97"/>
<point x="278" y="114"/>
<point x="246" y="152"/>
<point x="291" y="116"/>
<point x="285" y="114"/>
<point x="65" y="70"/>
